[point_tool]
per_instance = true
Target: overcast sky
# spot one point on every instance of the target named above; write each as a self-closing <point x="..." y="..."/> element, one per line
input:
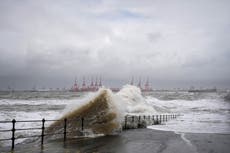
<point x="176" y="43"/>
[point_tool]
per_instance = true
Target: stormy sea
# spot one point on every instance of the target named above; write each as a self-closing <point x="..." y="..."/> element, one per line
<point x="203" y="124"/>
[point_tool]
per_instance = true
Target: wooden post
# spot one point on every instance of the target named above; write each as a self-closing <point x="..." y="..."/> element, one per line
<point x="65" y="121"/>
<point x="43" y="129"/>
<point x="13" y="133"/>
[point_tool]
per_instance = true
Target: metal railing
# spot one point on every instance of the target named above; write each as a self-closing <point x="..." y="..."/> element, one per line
<point x="155" y="119"/>
<point x="150" y="120"/>
<point x="42" y="128"/>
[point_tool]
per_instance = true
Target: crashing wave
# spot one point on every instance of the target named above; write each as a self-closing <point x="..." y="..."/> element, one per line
<point x="100" y="116"/>
<point x="104" y="112"/>
<point x="134" y="102"/>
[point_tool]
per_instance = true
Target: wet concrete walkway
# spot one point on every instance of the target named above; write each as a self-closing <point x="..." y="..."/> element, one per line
<point x="136" y="141"/>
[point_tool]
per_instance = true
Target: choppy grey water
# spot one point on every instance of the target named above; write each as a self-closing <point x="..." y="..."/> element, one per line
<point x="202" y="112"/>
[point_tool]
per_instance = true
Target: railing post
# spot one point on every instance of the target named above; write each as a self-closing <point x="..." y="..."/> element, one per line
<point x="82" y="123"/>
<point x="43" y="129"/>
<point x="139" y="119"/>
<point x="132" y="118"/>
<point x="13" y="133"/>
<point x="153" y="120"/>
<point x="144" y="117"/>
<point x="160" y="119"/>
<point x="65" y="121"/>
<point x="125" y="122"/>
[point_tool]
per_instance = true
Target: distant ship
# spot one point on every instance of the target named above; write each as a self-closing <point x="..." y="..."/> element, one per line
<point x="202" y="90"/>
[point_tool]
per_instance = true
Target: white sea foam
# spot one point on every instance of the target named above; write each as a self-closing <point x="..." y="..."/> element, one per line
<point x="133" y="102"/>
<point x="127" y="101"/>
<point x="199" y="116"/>
<point x="112" y="105"/>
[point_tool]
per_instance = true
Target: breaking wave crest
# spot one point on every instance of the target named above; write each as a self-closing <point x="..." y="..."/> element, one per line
<point x="104" y="111"/>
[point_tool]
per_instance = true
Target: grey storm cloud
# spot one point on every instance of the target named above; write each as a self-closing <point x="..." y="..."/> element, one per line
<point x="174" y="43"/>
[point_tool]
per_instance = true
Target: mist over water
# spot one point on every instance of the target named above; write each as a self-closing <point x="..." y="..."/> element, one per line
<point x="201" y="112"/>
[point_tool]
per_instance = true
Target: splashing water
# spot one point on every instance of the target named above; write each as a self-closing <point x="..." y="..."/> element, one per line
<point x="104" y="112"/>
<point x="100" y="116"/>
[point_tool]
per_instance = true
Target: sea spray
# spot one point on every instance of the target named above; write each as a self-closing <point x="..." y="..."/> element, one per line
<point x="103" y="112"/>
<point x="133" y="101"/>
<point x="101" y="116"/>
<point x="202" y="112"/>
